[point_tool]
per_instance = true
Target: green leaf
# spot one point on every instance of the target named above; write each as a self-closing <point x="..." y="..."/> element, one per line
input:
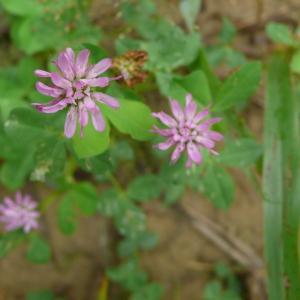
<point x="23" y="8"/>
<point x="38" y="251"/>
<point x="129" y="275"/>
<point x="22" y="135"/>
<point x="218" y="186"/>
<point x="239" y="86"/>
<point x="40" y="295"/>
<point x="151" y="291"/>
<point x="10" y="240"/>
<point x="213" y="80"/>
<point x="15" y="169"/>
<point x="27" y="127"/>
<point x="124" y="44"/>
<point x="190" y="10"/>
<point x="197" y="84"/>
<point x="282" y="181"/>
<point x="31" y="39"/>
<point x="26" y="68"/>
<point x="37" y="33"/>
<point x="50" y="159"/>
<point x="228" y="31"/>
<point x="133" y="118"/>
<point x="174" y="191"/>
<point x="121" y="151"/>
<point x="282" y="34"/>
<point x="93" y="142"/>
<point x="96" y="53"/>
<point x="295" y="62"/>
<point x="176" y="91"/>
<point x="214" y="291"/>
<point x="11" y="91"/>
<point x="82" y="196"/>
<point x="85" y="197"/>
<point x="145" y="188"/>
<point x="277" y="86"/>
<point x="240" y="153"/>
<point x="163" y="81"/>
<point x="51" y="123"/>
<point x="164" y="53"/>
<point x="97" y="165"/>
<point x="131" y="221"/>
<point x="9" y="103"/>
<point x="32" y="141"/>
<point x="66" y="216"/>
<point x="110" y="203"/>
<point x="145" y="241"/>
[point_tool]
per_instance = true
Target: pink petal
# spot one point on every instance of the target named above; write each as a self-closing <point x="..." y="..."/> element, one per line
<point x="52" y="102"/>
<point x="207" y="143"/>
<point x="176" y="110"/>
<point x="100" y="82"/>
<point x="165" y="145"/>
<point x="83" y="115"/>
<point x="163" y="132"/>
<point x="78" y="95"/>
<point x="79" y="84"/>
<point x="99" y="68"/>
<point x="213" y="152"/>
<point x="27" y="227"/>
<point x="70" y="123"/>
<point x="89" y="104"/>
<point x="47" y="90"/>
<point x="48" y="109"/>
<point x="42" y="73"/>
<point x="82" y="62"/>
<point x="199" y="116"/>
<point x="177" y="152"/>
<point x="34" y="214"/>
<point x="165" y="119"/>
<point x="205" y="125"/>
<point x="214" y="135"/>
<point x="189" y="163"/>
<point x="19" y="198"/>
<point x="70" y="55"/>
<point x="106" y="99"/>
<point x="98" y="120"/>
<point x="66" y="65"/>
<point x="194" y="153"/>
<point x="12" y="226"/>
<point x="60" y="81"/>
<point x="8" y="202"/>
<point x="190" y="108"/>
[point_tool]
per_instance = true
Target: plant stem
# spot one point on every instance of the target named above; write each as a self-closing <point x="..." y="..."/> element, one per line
<point x="273" y="184"/>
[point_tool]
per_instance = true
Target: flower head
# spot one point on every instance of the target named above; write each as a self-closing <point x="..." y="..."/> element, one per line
<point x="21" y="213"/>
<point x="188" y="131"/>
<point x="130" y="65"/>
<point x="72" y="86"/>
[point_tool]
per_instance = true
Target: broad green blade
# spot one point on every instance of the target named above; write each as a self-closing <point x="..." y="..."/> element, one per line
<point x="273" y="182"/>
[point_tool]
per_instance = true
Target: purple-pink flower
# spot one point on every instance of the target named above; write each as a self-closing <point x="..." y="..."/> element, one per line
<point x="188" y="131"/>
<point x="19" y="213"/>
<point x="72" y="86"/>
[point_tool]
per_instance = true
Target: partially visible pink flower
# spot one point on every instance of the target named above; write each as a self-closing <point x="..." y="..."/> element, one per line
<point x="72" y="87"/>
<point x="19" y="213"/>
<point x="187" y="131"/>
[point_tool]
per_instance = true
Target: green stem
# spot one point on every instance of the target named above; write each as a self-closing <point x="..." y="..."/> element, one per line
<point x="291" y="138"/>
<point x="114" y="181"/>
<point x="282" y="183"/>
<point x="273" y="184"/>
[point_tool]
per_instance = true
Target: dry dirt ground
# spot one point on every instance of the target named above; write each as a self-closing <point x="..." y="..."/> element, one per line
<point x="193" y="236"/>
